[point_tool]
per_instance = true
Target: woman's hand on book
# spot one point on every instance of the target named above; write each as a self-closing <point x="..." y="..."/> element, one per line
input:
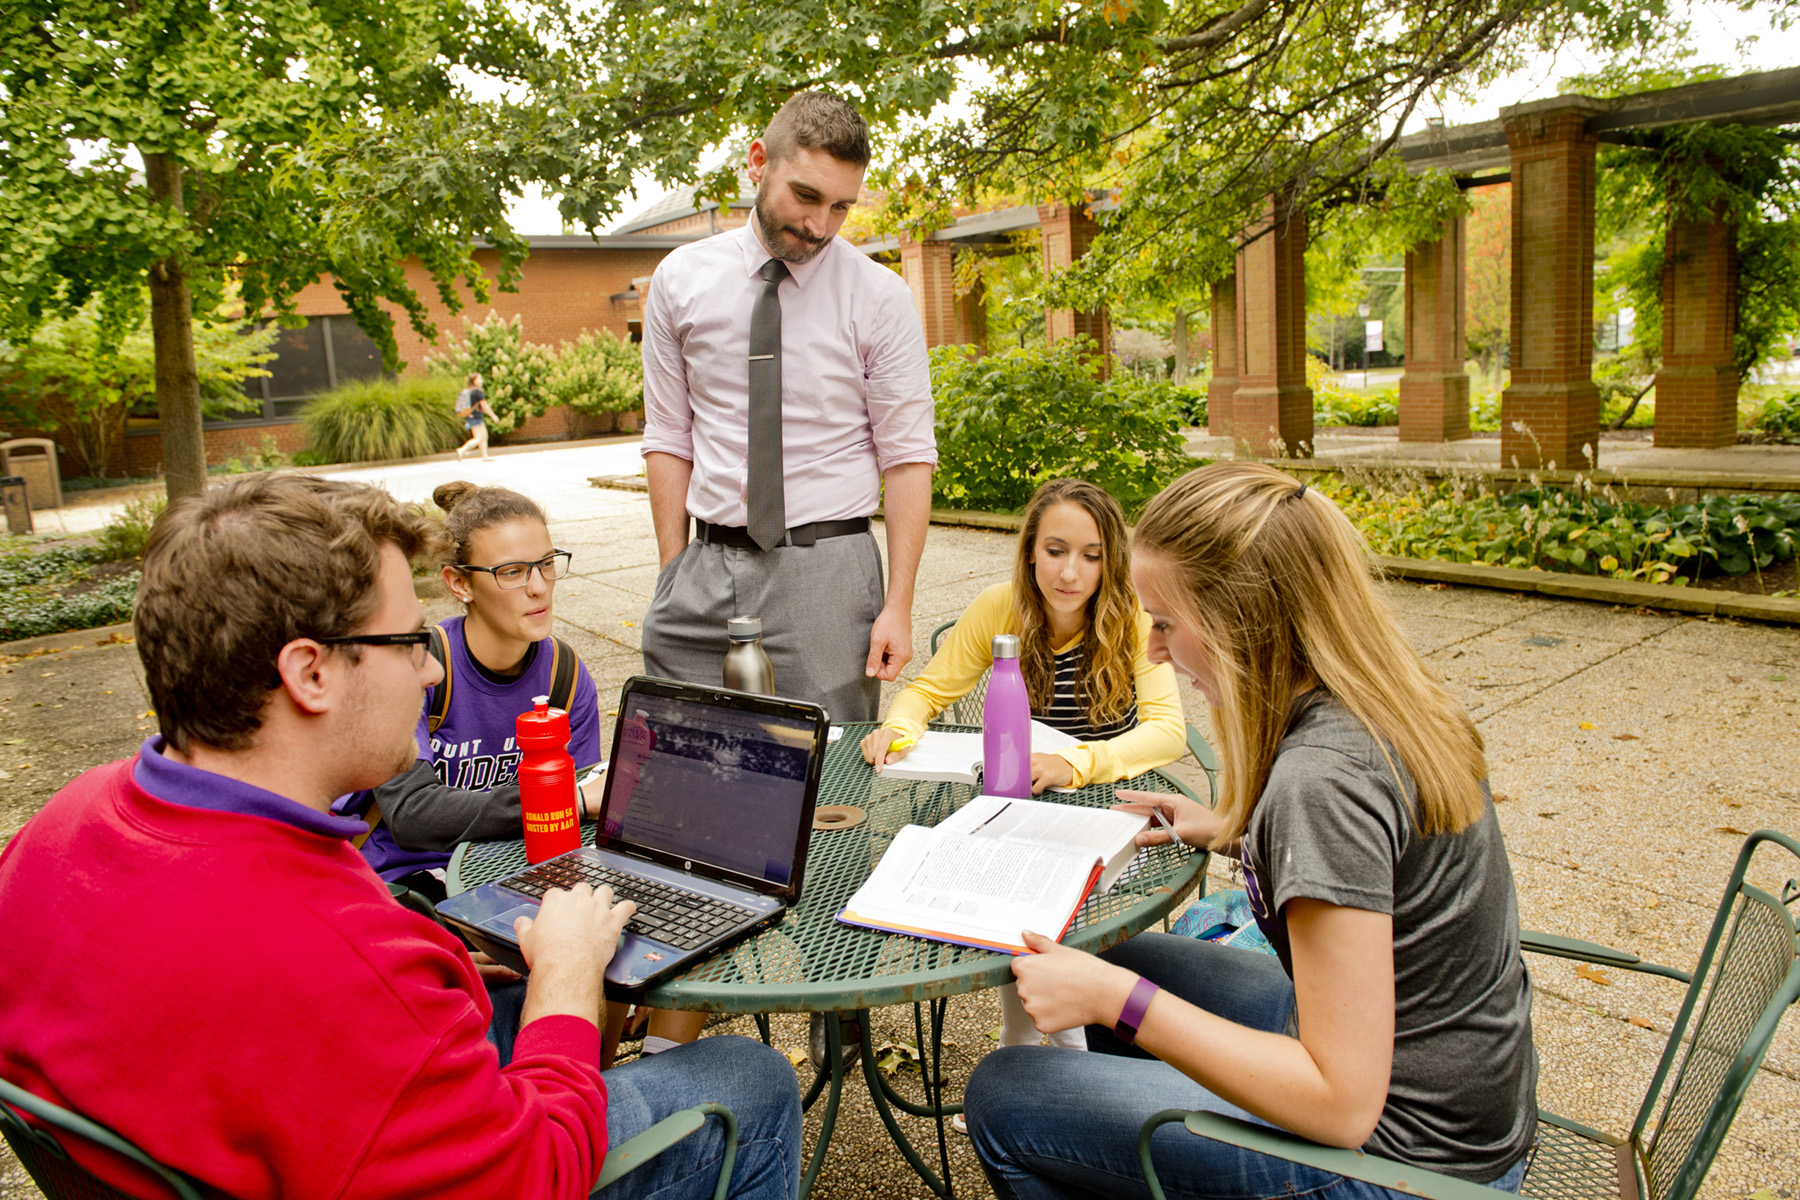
<point x="1195" y="822"/>
<point x="886" y="745"/>
<point x="1051" y="770"/>
<point x="1064" y="988"/>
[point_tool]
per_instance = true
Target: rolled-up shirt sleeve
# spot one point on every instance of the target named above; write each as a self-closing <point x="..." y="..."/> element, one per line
<point x="668" y="409"/>
<point x="898" y="384"/>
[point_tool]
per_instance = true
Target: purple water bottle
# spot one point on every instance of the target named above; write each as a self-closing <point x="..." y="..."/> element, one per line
<point x="1006" y="725"/>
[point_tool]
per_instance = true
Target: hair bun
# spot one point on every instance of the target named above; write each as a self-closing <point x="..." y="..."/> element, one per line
<point x="449" y="495"/>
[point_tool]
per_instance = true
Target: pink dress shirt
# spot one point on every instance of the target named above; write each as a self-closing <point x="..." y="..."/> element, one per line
<point x="856" y="384"/>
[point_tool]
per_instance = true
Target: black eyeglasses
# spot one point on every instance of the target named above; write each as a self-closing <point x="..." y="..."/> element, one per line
<point x="517" y="574"/>
<point x="418" y="639"/>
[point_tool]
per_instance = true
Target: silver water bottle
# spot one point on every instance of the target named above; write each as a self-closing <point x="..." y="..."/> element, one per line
<point x="747" y="666"/>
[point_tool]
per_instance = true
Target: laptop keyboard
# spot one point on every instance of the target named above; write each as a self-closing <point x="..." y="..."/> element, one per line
<point x="684" y="919"/>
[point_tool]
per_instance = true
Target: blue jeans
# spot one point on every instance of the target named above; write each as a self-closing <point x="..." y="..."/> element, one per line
<point x="1054" y="1124"/>
<point x="756" y="1082"/>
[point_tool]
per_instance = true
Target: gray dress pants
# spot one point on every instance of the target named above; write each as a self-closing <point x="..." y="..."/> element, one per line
<point x="816" y="603"/>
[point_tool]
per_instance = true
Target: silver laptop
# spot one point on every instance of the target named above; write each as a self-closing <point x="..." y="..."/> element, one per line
<point x="707" y="814"/>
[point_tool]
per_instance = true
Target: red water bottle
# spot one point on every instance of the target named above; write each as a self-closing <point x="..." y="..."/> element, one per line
<point x="547" y="797"/>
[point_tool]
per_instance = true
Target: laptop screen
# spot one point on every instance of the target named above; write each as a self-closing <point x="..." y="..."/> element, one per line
<point x="711" y="782"/>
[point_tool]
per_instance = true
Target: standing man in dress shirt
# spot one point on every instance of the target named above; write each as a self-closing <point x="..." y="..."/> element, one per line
<point x="780" y="494"/>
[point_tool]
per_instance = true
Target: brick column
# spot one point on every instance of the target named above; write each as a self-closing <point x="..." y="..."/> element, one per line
<point x="1067" y="232"/>
<point x="1552" y="393"/>
<point x="1223" y="386"/>
<point x="1434" y="390"/>
<point x="927" y="269"/>
<point x="1697" y="388"/>
<point x="1272" y="410"/>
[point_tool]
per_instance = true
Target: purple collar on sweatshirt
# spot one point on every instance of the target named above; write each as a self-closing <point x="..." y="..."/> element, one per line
<point x="178" y="783"/>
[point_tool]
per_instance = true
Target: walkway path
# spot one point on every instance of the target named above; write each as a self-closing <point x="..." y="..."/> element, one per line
<point x="1628" y="750"/>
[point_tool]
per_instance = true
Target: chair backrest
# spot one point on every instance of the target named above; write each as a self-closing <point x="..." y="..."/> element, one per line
<point x="967" y="710"/>
<point x="58" y="1175"/>
<point x="1748" y="975"/>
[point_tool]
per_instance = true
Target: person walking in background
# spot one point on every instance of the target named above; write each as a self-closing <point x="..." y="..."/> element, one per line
<point x="473" y="409"/>
<point x="785" y="383"/>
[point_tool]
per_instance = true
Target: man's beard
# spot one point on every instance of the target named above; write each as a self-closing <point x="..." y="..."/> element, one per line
<point x="784" y="241"/>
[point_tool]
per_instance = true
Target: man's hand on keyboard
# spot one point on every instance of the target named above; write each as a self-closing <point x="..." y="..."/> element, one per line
<point x="568" y="946"/>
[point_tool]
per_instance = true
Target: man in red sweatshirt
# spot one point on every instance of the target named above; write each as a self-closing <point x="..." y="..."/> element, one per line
<point x="198" y="958"/>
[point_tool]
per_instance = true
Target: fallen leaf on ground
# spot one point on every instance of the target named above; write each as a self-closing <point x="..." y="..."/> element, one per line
<point x="1731" y="829"/>
<point x="1625" y="737"/>
<point x="1594" y="974"/>
<point x="1587" y="725"/>
<point x="1571" y="864"/>
<point x="1642" y="1022"/>
<point x="797" y="1057"/>
<point x="1501" y="797"/>
<point x="1652" y="901"/>
<point x="1735" y="678"/>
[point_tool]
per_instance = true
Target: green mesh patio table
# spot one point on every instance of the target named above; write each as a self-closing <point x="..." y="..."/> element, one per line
<point x="812" y="963"/>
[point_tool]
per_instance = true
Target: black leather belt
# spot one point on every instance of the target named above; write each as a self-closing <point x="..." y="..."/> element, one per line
<point x="737" y="537"/>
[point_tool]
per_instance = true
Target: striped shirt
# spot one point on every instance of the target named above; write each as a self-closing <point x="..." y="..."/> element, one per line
<point x="1069" y="714"/>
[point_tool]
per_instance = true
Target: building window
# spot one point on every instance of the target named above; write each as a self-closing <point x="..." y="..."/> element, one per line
<point x="316" y="357"/>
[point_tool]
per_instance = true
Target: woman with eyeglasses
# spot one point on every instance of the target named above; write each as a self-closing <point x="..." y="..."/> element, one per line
<point x="503" y="568"/>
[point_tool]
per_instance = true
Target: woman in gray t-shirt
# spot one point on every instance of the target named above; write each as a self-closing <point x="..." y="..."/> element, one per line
<point x="1398" y="1015"/>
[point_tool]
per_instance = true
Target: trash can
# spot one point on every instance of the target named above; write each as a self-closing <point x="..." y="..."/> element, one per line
<point x="12" y="498"/>
<point x="34" y="460"/>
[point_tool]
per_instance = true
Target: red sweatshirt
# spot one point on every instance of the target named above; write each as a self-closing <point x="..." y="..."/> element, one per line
<point x="237" y="994"/>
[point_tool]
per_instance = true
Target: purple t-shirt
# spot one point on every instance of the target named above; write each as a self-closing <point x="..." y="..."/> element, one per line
<point x="474" y="749"/>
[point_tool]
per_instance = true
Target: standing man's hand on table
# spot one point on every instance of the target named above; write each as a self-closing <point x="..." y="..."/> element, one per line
<point x="568" y="947"/>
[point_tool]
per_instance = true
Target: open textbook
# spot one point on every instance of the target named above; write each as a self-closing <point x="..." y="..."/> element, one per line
<point x="993" y="869"/>
<point x="956" y="757"/>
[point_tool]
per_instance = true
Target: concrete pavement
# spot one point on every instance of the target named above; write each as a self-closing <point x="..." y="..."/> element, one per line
<point x="1628" y="751"/>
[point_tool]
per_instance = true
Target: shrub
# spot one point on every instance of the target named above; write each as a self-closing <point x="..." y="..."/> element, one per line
<point x="124" y="536"/>
<point x="1779" y="418"/>
<point x="32" y="592"/>
<point x="382" y="419"/>
<point x="1576" y="531"/>
<point x="597" y="373"/>
<point x="1349" y="408"/>
<point x="1009" y="421"/>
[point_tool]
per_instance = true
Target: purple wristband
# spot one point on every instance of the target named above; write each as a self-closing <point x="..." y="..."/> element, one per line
<point x="1132" y="1015"/>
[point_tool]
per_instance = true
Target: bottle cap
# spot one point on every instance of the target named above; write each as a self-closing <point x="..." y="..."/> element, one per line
<point x="1006" y="645"/>
<point x="742" y="629"/>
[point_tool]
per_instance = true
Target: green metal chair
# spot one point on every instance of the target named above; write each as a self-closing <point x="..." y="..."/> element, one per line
<point x="1748" y="975"/>
<point x="60" y="1177"/>
<point x="966" y="710"/>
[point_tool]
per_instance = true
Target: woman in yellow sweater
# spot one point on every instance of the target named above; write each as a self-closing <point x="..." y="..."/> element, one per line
<point x="1083" y="649"/>
<point x="1084" y="653"/>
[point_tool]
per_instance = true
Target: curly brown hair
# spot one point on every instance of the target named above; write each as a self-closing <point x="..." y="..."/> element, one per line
<point x="1105" y="682"/>
<point x="236" y="573"/>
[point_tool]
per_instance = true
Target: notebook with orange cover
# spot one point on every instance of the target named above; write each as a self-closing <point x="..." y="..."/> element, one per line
<point x="993" y="869"/>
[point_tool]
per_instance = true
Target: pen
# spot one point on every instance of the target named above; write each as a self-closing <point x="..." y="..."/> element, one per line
<point x="990" y="820"/>
<point x="1164" y="822"/>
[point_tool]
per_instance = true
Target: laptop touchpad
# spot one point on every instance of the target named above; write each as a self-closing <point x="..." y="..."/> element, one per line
<point x="503" y="923"/>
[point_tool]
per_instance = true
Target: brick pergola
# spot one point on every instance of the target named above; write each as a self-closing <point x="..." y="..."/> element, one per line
<point x="1546" y="150"/>
<point x="1551" y="412"/>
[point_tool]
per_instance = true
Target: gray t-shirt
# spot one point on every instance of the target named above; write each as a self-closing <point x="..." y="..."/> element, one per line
<point x="1333" y="824"/>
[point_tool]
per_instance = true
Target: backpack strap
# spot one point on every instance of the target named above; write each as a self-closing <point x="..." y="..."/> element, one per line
<point x="373" y="816"/>
<point x="437" y="705"/>
<point x="563" y="660"/>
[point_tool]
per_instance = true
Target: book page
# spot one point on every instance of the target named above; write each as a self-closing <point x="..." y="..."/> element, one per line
<point x="977" y="890"/>
<point x="940" y="755"/>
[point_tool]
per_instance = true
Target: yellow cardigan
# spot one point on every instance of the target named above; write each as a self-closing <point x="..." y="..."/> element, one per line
<point x="967" y="651"/>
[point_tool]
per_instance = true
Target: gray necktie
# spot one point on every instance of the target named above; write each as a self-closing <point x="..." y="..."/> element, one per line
<point x="768" y="508"/>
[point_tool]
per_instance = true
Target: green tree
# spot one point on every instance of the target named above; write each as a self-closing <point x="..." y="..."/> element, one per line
<point x="179" y="145"/>
<point x="1487" y="265"/>
<point x="84" y="373"/>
